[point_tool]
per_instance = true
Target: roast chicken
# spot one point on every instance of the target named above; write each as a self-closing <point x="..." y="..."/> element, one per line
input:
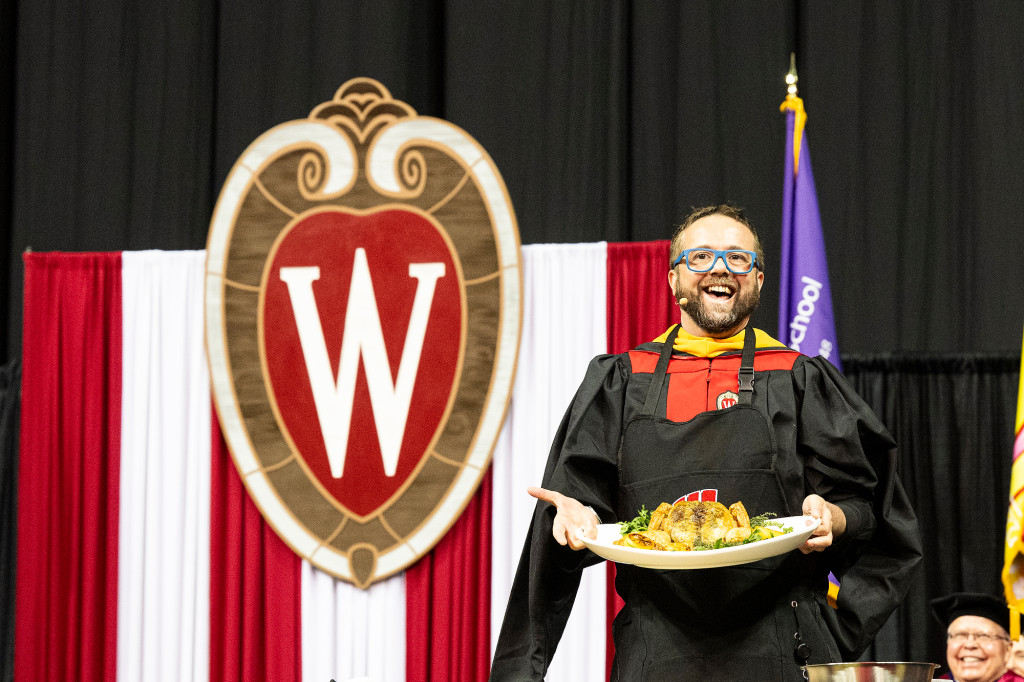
<point x="677" y="527"/>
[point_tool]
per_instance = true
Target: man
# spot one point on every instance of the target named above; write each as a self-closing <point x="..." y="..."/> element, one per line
<point x="715" y="407"/>
<point x="978" y="647"/>
<point x="1017" y="658"/>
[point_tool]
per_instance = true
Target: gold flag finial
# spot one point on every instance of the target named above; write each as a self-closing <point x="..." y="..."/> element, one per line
<point x="791" y="76"/>
<point x="796" y="105"/>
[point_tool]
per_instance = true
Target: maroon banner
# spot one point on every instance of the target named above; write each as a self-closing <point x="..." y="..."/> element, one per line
<point x="448" y="600"/>
<point x="255" y="585"/>
<point x="68" y="473"/>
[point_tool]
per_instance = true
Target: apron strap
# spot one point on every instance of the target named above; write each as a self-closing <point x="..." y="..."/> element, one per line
<point x="746" y="375"/>
<point x="658" y="380"/>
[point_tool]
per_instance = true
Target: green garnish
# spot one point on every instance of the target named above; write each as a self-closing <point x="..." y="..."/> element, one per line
<point x="638" y="524"/>
<point x="763" y="520"/>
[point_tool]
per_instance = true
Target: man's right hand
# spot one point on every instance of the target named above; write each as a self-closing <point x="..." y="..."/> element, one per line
<point x="570" y="516"/>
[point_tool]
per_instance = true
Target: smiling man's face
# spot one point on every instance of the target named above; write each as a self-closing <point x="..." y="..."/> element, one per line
<point x="719" y="303"/>
<point x="973" y="659"/>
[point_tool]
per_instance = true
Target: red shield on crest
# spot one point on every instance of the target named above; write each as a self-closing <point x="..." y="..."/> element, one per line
<point x="363" y="316"/>
<point x="362" y="280"/>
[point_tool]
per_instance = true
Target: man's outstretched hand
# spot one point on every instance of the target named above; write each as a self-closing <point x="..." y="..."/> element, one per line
<point x="570" y="516"/>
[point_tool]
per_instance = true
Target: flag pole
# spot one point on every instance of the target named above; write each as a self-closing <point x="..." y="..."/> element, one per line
<point x="791" y="76"/>
<point x="806" y="320"/>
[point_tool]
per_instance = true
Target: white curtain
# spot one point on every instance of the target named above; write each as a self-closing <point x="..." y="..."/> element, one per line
<point x="563" y="328"/>
<point x="163" y="575"/>
<point x="164" y="537"/>
<point x="351" y="634"/>
<point x="347" y="633"/>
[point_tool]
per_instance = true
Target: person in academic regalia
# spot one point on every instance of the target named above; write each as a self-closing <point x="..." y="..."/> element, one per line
<point x="978" y="647"/>
<point x="716" y="408"/>
<point x="1017" y="657"/>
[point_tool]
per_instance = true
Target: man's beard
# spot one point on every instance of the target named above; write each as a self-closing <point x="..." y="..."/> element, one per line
<point x="713" y="322"/>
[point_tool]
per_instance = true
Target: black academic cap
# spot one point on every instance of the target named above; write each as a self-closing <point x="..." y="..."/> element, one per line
<point x="949" y="608"/>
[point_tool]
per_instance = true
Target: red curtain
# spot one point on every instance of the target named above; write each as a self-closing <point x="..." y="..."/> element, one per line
<point x="448" y="600"/>
<point x="255" y="585"/>
<point x="640" y="304"/>
<point x="640" y="308"/>
<point x="69" y="468"/>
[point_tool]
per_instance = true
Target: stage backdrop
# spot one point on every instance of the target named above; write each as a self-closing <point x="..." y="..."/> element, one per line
<point x="141" y="557"/>
<point x="152" y="559"/>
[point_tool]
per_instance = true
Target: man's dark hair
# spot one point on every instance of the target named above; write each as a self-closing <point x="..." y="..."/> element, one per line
<point x="729" y="211"/>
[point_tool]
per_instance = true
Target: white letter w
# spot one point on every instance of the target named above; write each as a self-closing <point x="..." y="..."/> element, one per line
<point x="363" y="336"/>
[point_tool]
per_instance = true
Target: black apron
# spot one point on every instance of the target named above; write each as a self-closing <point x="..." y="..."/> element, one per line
<point x="758" y="621"/>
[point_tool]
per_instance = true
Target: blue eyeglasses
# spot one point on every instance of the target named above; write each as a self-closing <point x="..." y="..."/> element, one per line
<point x="737" y="261"/>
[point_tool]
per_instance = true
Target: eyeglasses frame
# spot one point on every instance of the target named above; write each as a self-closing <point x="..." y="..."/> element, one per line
<point x="979" y="637"/>
<point x="719" y="253"/>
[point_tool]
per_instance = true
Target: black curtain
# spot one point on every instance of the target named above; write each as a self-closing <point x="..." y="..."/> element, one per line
<point x="953" y="418"/>
<point x="10" y="398"/>
<point x="608" y="120"/>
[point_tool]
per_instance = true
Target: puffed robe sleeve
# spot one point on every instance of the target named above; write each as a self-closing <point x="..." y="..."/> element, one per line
<point x="851" y="460"/>
<point x="582" y="465"/>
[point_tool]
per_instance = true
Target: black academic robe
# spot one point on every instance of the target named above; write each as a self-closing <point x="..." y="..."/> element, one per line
<point x="823" y="439"/>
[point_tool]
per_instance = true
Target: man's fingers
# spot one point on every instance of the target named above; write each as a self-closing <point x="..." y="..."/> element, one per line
<point x="821" y="537"/>
<point x="544" y="494"/>
<point x="570" y="516"/>
<point x="587" y="530"/>
<point x="566" y="534"/>
<point x="825" y="534"/>
<point x="568" y="531"/>
<point x="814" y="505"/>
<point x="559" y="530"/>
<point x="814" y="544"/>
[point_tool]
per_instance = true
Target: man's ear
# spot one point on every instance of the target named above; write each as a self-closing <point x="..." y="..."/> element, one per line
<point x="760" y="280"/>
<point x="672" y="281"/>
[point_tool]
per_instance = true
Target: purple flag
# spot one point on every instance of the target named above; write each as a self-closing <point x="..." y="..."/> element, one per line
<point x="806" y="322"/>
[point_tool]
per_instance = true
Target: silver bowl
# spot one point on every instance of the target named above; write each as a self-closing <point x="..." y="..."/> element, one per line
<point x="870" y="672"/>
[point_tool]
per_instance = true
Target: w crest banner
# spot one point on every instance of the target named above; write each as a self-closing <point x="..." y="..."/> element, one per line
<point x="363" y="312"/>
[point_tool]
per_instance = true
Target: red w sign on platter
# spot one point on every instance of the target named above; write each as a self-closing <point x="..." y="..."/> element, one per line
<point x="362" y="320"/>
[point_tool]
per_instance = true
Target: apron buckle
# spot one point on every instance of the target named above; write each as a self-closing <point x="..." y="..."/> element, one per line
<point x="746" y="379"/>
